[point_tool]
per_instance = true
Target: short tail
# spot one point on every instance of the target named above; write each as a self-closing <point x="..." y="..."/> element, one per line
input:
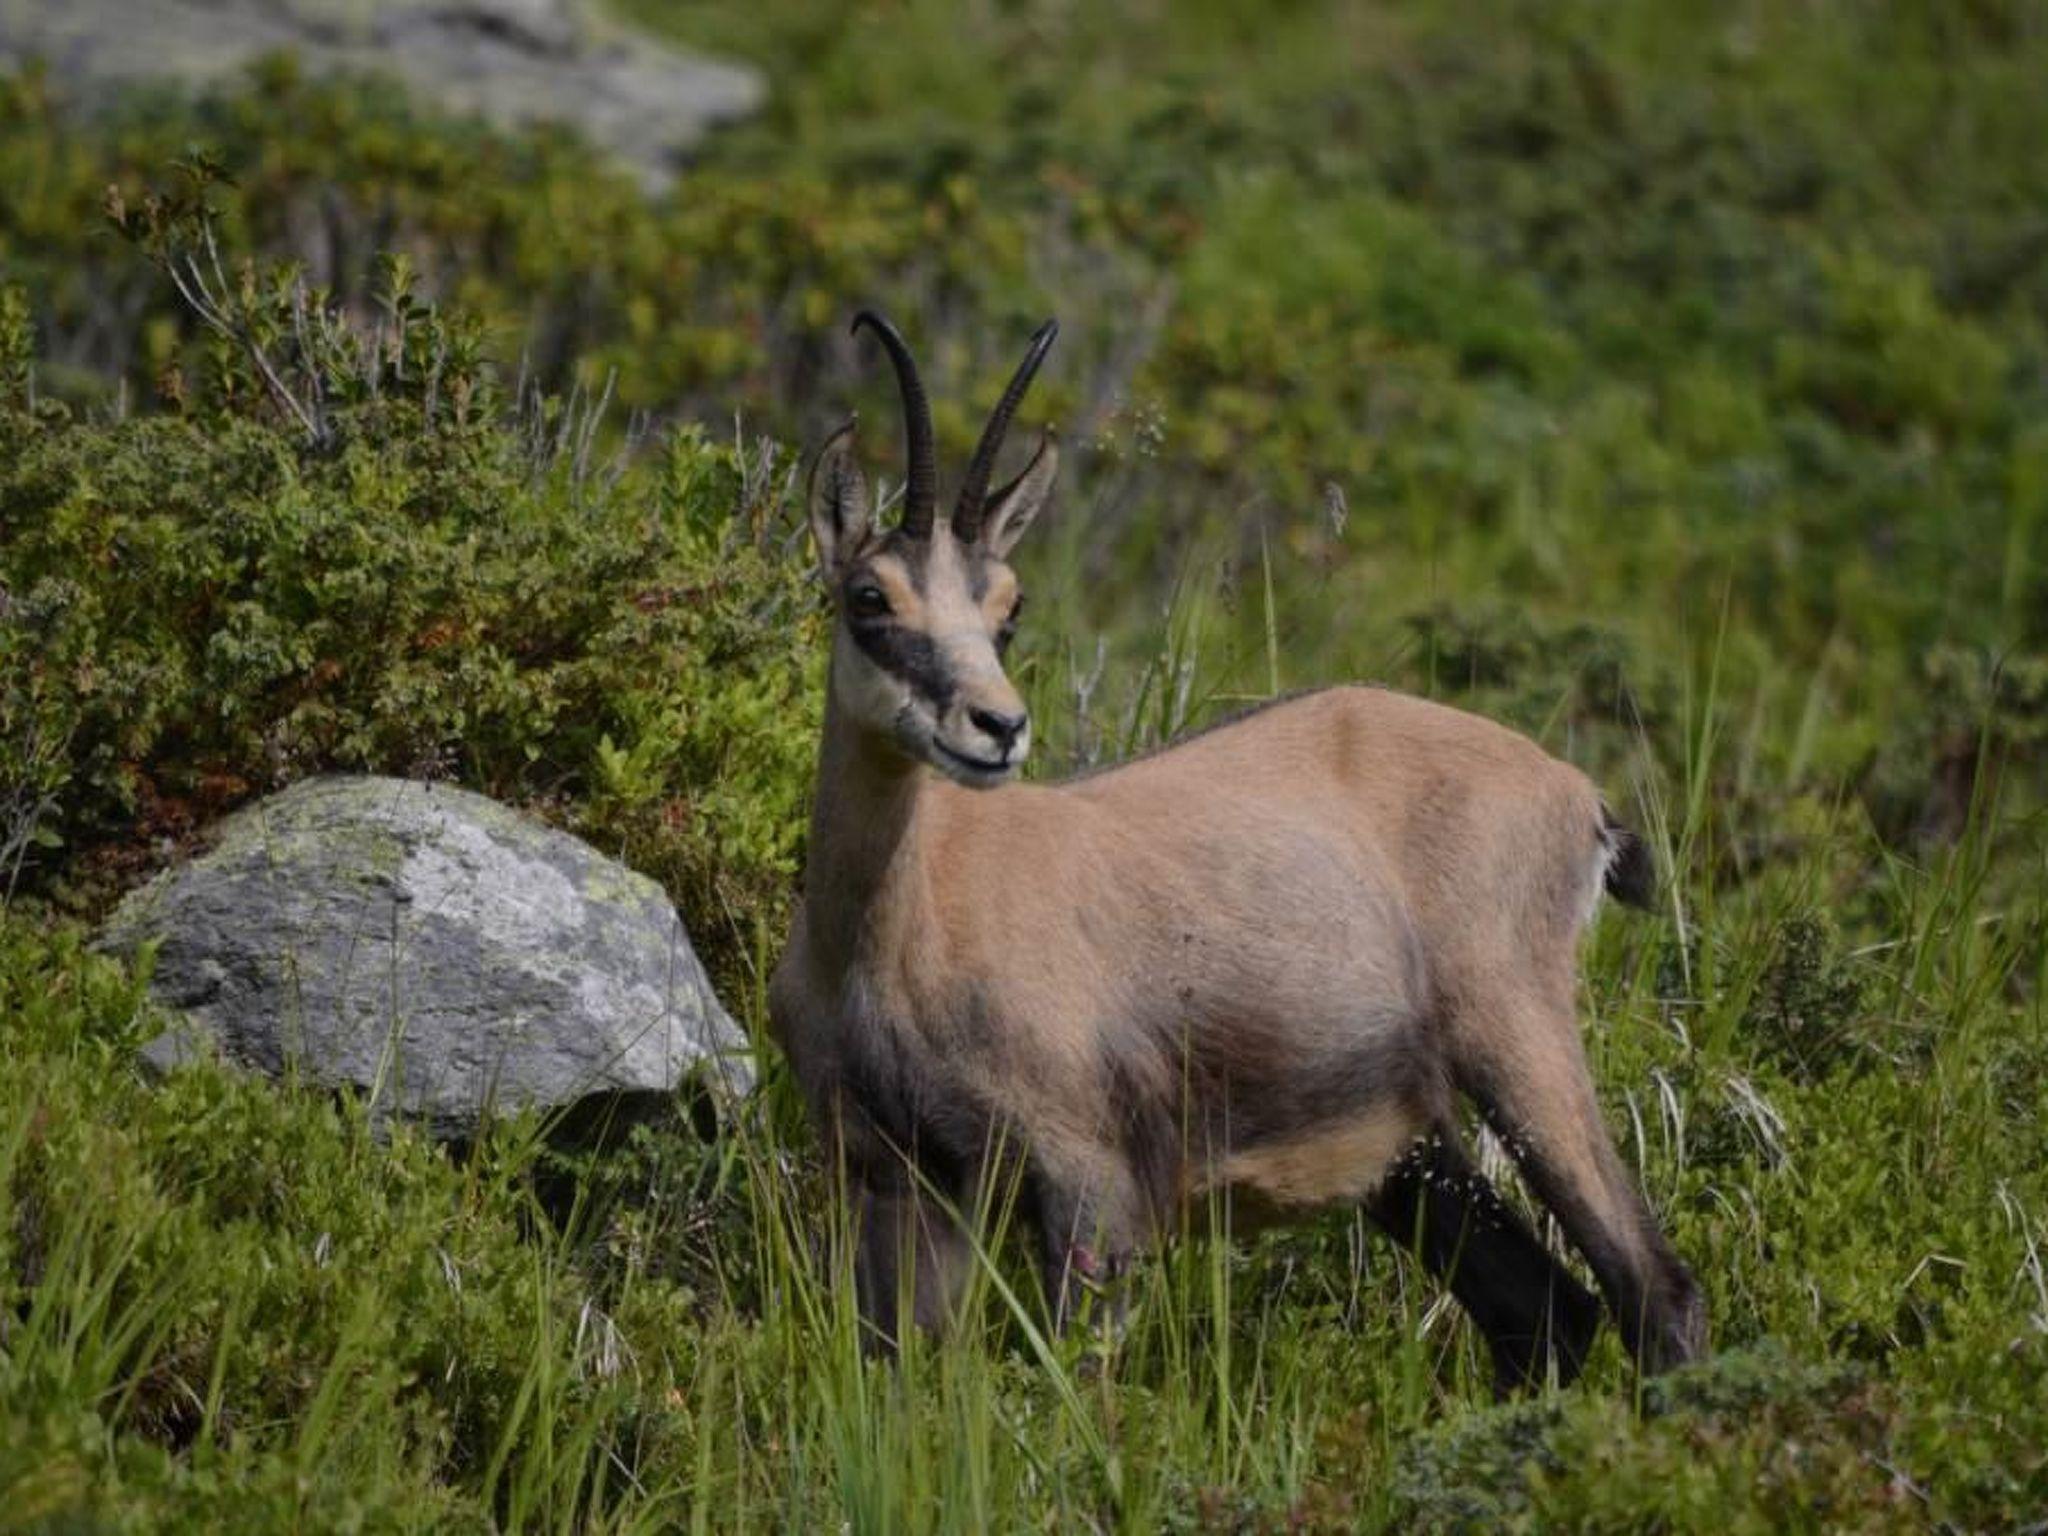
<point x="1631" y="874"/>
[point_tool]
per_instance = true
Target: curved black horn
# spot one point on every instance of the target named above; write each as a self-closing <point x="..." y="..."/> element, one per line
<point x="967" y="511"/>
<point x="921" y="489"/>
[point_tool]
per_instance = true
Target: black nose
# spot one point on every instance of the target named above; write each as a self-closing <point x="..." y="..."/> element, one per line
<point x="1002" y="729"/>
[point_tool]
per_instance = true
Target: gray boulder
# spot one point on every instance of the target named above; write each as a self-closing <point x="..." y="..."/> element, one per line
<point x="511" y="61"/>
<point x="434" y="951"/>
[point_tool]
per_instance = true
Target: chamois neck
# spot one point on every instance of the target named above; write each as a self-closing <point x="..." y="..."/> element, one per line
<point x="865" y="825"/>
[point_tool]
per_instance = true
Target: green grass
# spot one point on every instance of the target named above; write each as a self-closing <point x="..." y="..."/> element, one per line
<point x="230" y="1303"/>
<point x="1666" y="382"/>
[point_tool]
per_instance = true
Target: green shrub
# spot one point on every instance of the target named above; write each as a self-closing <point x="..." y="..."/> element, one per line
<point x="1807" y="1010"/>
<point x="345" y="551"/>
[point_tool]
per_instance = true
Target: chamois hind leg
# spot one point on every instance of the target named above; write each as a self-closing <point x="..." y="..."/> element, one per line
<point x="911" y="1257"/>
<point x="1536" y="1318"/>
<point x="1523" y="1060"/>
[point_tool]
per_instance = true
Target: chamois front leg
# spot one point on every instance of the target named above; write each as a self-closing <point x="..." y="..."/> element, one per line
<point x="1084" y="1246"/>
<point x="911" y="1259"/>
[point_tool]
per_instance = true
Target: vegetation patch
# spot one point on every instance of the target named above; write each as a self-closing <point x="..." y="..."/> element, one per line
<point x="1667" y="384"/>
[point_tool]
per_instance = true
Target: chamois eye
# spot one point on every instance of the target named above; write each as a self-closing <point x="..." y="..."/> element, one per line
<point x="867" y="602"/>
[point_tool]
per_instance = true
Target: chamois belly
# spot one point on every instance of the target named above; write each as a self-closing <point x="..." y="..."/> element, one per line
<point x="1323" y="1110"/>
<point x="1294" y="1002"/>
<point x="1321" y="1167"/>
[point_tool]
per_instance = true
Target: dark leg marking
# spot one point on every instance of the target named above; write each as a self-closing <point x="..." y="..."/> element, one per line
<point x="1536" y="1318"/>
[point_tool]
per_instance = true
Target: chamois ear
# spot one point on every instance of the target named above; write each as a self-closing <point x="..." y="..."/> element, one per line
<point x="838" y="499"/>
<point x="1011" y="509"/>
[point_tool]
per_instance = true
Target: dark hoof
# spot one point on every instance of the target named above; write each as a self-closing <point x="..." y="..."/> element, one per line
<point x="1678" y="1333"/>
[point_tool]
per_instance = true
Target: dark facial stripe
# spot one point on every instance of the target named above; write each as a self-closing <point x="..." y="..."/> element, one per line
<point x="907" y="654"/>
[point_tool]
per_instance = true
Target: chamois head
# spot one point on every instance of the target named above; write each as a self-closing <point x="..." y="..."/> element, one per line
<point x="925" y="613"/>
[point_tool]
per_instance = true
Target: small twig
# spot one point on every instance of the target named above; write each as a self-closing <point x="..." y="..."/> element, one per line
<point x="307" y="360"/>
<point x="201" y="296"/>
<point x="579" y="468"/>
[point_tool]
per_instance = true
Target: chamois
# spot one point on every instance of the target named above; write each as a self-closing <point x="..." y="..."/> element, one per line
<point x="1266" y="959"/>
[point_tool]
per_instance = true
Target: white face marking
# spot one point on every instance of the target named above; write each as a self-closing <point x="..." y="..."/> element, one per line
<point x="870" y="694"/>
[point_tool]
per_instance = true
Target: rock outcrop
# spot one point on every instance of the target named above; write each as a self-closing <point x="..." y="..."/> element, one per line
<point x="434" y="951"/>
<point x="511" y="61"/>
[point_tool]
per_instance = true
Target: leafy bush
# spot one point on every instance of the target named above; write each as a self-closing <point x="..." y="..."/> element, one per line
<point x="345" y="551"/>
<point x="1806" y="1011"/>
<point x="1736" y="1436"/>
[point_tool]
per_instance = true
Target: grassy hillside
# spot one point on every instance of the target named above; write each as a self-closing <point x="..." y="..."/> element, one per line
<point x="1667" y="381"/>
